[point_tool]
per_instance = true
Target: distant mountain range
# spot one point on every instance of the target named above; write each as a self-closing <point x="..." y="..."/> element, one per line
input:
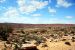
<point x="19" y="25"/>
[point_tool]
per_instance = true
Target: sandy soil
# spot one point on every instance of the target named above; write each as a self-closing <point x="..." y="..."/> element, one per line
<point x="1" y="45"/>
<point x="57" y="46"/>
<point x="60" y="45"/>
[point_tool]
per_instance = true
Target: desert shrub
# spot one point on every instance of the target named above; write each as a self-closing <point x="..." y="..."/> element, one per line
<point x="22" y="31"/>
<point x="72" y="32"/>
<point x="18" y="31"/>
<point x="65" y="32"/>
<point x="63" y="39"/>
<point x="68" y="43"/>
<point x="73" y="39"/>
<point x="52" y="35"/>
<point x="8" y="42"/>
<point x="43" y="31"/>
<point x="16" y="47"/>
<point x="18" y="44"/>
<point x="44" y="45"/>
<point x="49" y="27"/>
<point x="40" y="40"/>
<point x="4" y="32"/>
<point x="35" y="31"/>
<point x="5" y="47"/>
<point x="26" y="37"/>
<point x="73" y="27"/>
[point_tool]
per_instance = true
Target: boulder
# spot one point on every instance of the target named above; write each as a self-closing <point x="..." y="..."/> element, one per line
<point x="28" y="47"/>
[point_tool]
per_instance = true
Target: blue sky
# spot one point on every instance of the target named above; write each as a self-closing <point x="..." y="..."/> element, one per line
<point x="37" y="11"/>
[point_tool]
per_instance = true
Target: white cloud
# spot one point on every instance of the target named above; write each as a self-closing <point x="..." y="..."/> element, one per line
<point x="39" y="5"/>
<point x="52" y="21"/>
<point x="69" y="17"/>
<point x="35" y="20"/>
<point x="52" y="11"/>
<point x="12" y="16"/>
<point x="17" y="19"/>
<point x="21" y="2"/>
<point x="11" y="12"/>
<point x="63" y="3"/>
<point x="27" y="10"/>
<point x="60" y="21"/>
<point x="35" y="15"/>
<point x="1" y="1"/>
<point x="32" y="6"/>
